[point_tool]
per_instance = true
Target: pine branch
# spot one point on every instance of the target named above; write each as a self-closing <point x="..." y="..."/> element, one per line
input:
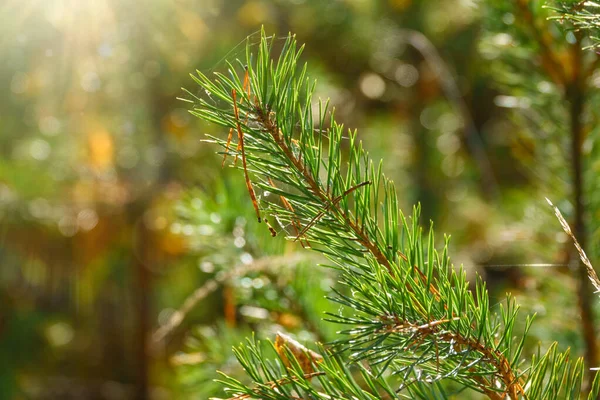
<point x="410" y="315"/>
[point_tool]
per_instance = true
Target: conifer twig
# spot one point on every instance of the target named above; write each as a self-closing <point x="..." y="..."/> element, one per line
<point x="407" y="309"/>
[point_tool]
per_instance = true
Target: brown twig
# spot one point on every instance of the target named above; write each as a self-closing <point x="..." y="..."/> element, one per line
<point x="303" y="355"/>
<point x="584" y="274"/>
<point x="243" y="151"/>
<point x="513" y="386"/>
<point x="229" y="137"/>
<point x="246" y="88"/>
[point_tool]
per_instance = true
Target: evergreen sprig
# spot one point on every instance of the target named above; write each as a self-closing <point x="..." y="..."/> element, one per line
<point x="410" y="319"/>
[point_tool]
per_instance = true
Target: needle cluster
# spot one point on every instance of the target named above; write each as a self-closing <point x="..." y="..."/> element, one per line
<point x="410" y="322"/>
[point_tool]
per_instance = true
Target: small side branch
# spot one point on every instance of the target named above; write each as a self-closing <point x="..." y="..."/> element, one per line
<point x="334" y="202"/>
<point x="505" y="374"/>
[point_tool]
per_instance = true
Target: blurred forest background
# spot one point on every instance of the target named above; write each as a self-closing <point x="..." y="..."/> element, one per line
<point x="113" y="211"/>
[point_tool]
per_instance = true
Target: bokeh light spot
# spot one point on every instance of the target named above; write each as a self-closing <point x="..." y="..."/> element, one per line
<point x="49" y="125"/>
<point x="67" y="226"/>
<point x="239" y="242"/>
<point x="59" y="334"/>
<point x="207" y="267"/>
<point x="246" y="258"/>
<point x="39" y="149"/>
<point x="90" y="82"/>
<point x="406" y="75"/>
<point x="372" y="85"/>
<point x="448" y="143"/>
<point x="87" y="219"/>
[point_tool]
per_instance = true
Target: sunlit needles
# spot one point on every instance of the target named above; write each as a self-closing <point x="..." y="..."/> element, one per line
<point x="266" y="116"/>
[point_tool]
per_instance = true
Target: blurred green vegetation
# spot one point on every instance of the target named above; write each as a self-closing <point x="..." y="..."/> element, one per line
<point x="113" y="211"/>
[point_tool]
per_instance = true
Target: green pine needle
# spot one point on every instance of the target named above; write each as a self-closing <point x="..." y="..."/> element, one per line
<point x="409" y="320"/>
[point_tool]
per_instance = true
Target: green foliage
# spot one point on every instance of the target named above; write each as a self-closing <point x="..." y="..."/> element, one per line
<point x="265" y="285"/>
<point x="409" y="317"/>
<point x="102" y="240"/>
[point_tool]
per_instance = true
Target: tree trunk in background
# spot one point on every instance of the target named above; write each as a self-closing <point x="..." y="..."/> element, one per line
<point x="141" y="289"/>
<point x="576" y="96"/>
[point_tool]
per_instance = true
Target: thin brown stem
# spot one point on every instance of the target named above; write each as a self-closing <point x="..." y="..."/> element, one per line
<point x="229" y="137"/>
<point x="243" y="151"/>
